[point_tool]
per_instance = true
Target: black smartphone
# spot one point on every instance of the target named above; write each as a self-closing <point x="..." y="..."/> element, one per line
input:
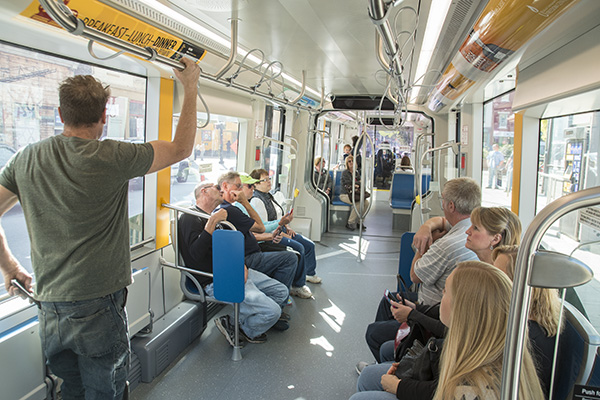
<point x="390" y="296"/>
<point x="24" y="291"/>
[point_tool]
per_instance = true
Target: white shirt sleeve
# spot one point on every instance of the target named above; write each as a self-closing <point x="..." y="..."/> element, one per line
<point x="260" y="208"/>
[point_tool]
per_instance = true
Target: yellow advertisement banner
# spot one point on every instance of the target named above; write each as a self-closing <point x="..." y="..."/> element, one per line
<point x="113" y="22"/>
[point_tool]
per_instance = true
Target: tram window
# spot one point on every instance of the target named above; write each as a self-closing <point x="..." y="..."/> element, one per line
<point x="29" y="113"/>
<point x="498" y="144"/>
<point x="568" y="162"/>
<point x="215" y="152"/>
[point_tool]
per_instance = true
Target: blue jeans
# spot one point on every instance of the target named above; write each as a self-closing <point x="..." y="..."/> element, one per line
<point x="308" y="262"/>
<point x="86" y="343"/>
<point x="261" y="308"/>
<point x="280" y="265"/>
<point x="387" y="351"/>
<point x="369" y="383"/>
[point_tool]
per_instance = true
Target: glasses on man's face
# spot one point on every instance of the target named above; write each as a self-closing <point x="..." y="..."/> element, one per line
<point x="212" y="186"/>
<point x="267" y="179"/>
<point x="249" y="186"/>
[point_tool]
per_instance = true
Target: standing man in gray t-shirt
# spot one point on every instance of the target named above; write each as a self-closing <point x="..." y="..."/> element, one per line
<point x="73" y="191"/>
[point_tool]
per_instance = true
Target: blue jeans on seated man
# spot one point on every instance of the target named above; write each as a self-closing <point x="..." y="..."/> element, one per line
<point x="280" y="265"/>
<point x="86" y="344"/>
<point x="307" y="264"/>
<point x="261" y="308"/>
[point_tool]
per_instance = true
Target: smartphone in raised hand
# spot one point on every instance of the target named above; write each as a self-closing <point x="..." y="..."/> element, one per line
<point x="24" y="291"/>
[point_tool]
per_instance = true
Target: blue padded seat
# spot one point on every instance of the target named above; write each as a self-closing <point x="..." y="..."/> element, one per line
<point x="406" y="256"/>
<point x="228" y="265"/>
<point x="577" y="348"/>
<point x="403" y="191"/>
<point x="337" y="188"/>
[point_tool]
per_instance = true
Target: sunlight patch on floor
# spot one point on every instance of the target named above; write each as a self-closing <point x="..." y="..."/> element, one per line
<point x="336" y="313"/>
<point x="352" y="247"/>
<point x="324" y="343"/>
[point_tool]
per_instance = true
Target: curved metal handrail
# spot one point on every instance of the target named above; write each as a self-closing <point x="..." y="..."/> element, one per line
<point x="294" y="151"/>
<point x="317" y="184"/>
<point x="519" y="307"/>
<point x="448" y="145"/>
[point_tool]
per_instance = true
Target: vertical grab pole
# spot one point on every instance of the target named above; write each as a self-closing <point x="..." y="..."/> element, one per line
<point x="362" y="211"/>
<point x="237" y="349"/>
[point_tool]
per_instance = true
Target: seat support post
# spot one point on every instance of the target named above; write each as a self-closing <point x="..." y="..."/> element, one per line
<point x="237" y="353"/>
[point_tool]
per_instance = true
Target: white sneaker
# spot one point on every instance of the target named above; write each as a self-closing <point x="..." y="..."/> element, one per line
<point x="313" y="279"/>
<point x="302" y="292"/>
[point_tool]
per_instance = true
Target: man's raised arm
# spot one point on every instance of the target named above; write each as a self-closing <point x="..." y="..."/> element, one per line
<point x="168" y="153"/>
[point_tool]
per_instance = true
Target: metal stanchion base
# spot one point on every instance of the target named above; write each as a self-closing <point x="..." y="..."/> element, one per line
<point x="237" y="353"/>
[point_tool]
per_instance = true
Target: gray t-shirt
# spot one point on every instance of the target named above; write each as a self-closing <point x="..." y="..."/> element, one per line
<point x="74" y="196"/>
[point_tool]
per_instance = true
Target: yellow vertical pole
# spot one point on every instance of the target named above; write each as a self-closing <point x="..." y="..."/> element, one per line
<point x="517" y="152"/>
<point x="163" y="177"/>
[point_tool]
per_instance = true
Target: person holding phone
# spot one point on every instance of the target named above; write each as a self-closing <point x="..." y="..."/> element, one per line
<point x="273" y="216"/>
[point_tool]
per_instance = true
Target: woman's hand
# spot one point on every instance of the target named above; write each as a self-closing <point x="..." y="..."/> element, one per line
<point x="390" y="383"/>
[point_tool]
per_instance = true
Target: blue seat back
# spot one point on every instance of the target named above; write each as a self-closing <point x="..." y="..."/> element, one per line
<point x="425" y="181"/>
<point x="406" y="256"/>
<point x="228" y="265"/>
<point x="337" y="188"/>
<point x="578" y="344"/>
<point x="403" y="191"/>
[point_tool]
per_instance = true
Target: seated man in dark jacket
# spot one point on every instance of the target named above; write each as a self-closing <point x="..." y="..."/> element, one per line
<point x="264" y="297"/>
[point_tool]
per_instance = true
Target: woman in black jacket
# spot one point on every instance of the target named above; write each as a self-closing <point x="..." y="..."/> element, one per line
<point x="347" y="187"/>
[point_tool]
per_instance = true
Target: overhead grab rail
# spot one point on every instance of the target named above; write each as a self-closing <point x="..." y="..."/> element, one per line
<point x="65" y="18"/>
<point x="527" y="274"/>
<point x="379" y="15"/>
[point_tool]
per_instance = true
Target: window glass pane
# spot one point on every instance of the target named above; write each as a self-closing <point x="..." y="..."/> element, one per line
<point x="215" y="152"/>
<point x="498" y="140"/>
<point x="568" y="162"/>
<point x="29" y="113"/>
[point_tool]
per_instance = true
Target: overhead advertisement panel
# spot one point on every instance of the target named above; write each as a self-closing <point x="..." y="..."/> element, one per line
<point x="503" y="28"/>
<point x="113" y="22"/>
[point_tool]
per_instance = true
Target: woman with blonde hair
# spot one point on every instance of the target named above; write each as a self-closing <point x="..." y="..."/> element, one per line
<point x="492" y="227"/>
<point x="475" y="308"/>
<point x="544" y="315"/>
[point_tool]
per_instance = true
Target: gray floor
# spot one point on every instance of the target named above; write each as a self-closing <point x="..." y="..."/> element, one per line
<point x="315" y="358"/>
